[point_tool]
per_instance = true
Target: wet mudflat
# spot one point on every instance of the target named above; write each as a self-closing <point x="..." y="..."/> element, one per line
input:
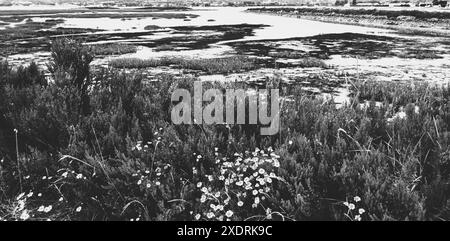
<point x="211" y="43"/>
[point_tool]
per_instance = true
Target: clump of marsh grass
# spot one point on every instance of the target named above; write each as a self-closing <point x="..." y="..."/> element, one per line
<point x="113" y="49"/>
<point x="311" y="62"/>
<point x="210" y="66"/>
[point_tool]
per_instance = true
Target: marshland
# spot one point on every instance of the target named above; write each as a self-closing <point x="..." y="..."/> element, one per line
<point x="86" y="130"/>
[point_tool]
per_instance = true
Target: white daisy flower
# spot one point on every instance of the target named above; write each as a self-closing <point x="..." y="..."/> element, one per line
<point x="351" y="206"/>
<point x="48" y="209"/>
<point x="361" y="211"/>
<point x="203" y="199"/>
<point x="210" y="215"/>
<point x="229" y="213"/>
<point x="25" y="215"/>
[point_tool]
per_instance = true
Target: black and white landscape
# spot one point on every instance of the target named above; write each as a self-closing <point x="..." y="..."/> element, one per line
<point x="121" y="110"/>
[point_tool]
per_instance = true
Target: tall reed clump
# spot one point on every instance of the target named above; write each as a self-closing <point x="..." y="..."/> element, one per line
<point x="70" y="69"/>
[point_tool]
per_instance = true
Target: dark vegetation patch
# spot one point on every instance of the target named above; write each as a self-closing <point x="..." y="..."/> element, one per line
<point x="28" y="29"/>
<point x="33" y="36"/>
<point x="348" y="44"/>
<point x="191" y="40"/>
<point x="165" y="47"/>
<point x="41" y="41"/>
<point x="30" y="36"/>
<point x="152" y="27"/>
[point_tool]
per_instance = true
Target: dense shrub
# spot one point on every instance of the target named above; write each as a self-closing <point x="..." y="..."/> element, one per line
<point x="70" y="68"/>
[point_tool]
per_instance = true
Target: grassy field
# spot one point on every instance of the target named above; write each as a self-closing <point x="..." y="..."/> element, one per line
<point x="102" y="146"/>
